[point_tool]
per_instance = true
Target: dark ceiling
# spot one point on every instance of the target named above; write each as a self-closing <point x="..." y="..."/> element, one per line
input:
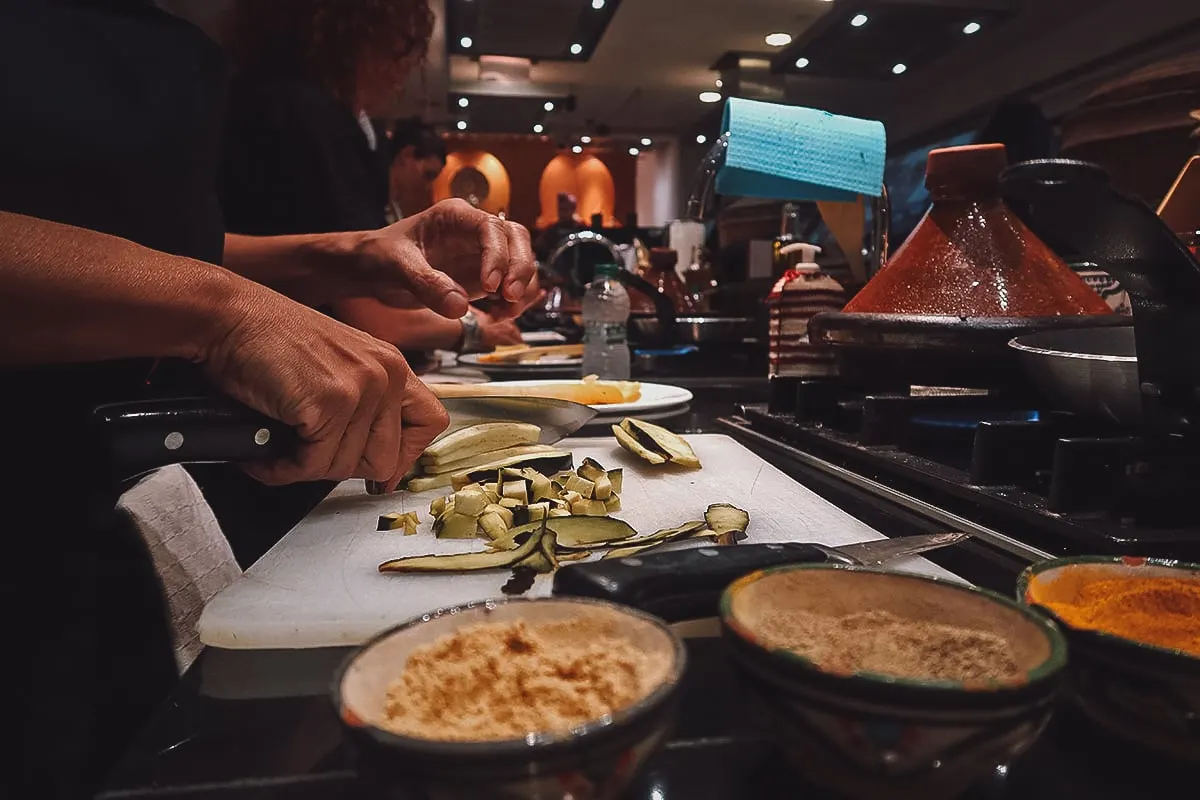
<point x="567" y="30"/>
<point x="913" y="34"/>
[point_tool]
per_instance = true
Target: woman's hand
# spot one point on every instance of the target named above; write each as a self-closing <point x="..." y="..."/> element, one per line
<point x="359" y="409"/>
<point x="495" y="331"/>
<point x="446" y="256"/>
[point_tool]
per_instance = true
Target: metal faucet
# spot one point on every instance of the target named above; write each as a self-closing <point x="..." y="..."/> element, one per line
<point x="573" y="240"/>
<point x="663" y="308"/>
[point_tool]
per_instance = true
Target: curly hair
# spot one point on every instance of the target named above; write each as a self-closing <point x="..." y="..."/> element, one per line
<point x="356" y="48"/>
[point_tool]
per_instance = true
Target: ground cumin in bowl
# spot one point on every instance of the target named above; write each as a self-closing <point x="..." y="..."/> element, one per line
<point x="880" y="684"/>
<point x="513" y="698"/>
<point x="1133" y="626"/>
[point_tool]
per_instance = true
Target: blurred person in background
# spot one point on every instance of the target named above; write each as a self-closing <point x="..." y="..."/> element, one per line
<point x="300" y="157"/>
<point x="418" y="157"/>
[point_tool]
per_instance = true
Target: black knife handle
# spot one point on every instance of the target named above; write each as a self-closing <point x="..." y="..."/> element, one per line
<point x="134" y="438"/>
<point x="682" y="584"/>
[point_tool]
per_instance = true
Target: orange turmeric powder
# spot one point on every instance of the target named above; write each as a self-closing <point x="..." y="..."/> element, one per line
<point x="1160" y="611"/>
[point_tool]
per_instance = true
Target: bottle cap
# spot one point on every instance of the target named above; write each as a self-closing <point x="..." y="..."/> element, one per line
<point x="608" y="268"/>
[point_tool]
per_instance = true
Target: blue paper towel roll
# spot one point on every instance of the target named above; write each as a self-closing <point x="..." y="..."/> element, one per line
<point x="796" y="153"/>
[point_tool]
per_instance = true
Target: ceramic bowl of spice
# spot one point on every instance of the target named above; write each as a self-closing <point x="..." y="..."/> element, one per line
<point x="881" y="684"/>
<point x="1133" y="625"/>
<point x="515" y="698"/>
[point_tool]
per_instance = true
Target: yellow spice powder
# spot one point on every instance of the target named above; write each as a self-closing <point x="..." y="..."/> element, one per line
<point x="504" y="680"/>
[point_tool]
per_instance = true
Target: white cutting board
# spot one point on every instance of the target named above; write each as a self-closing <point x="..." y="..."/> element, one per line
<point x="320" y="585"/>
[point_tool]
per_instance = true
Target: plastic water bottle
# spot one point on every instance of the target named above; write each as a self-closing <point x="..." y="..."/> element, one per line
<point x="605" y="316"/>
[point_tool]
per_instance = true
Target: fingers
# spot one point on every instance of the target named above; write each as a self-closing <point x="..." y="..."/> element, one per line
<point x="424" y="418"/>
<point x="430" y="286"/>
<point x="522" y="268"/>
<point x="493" y="251"/>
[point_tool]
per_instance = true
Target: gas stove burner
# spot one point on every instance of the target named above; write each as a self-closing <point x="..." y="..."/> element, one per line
<point x="970" y="420"/>
<point x="1062" y="482"/>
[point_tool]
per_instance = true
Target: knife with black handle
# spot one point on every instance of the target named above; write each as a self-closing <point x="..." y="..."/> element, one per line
<point x="687" y="584"/>
<point x="135" y="438"/>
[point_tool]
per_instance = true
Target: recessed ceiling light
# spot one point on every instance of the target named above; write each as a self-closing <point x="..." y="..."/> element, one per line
<point x="633" y="151"/>
<point x="577" y="149"/>
<point x="646" y="141"/>
<point x="971" y="27"/>
<point x="466" y="41"/>
<point x="779" y="39"/>
<point x="710" y="97"/>
<point x="462" y="124"/>
<point x="597" y="4"/>
<point x="802" y="62"/>
<point x="463" y="102"/>
<point x="576" y="49"/>
<point x="585" y="139"/>
<point x="538" y="127"/>
<point x="701" y="138"/>
<point x="549" y="106"/>
<point x="899" y="69"/>
<point x="720" y="83"/>
<point x="858" y="20"/>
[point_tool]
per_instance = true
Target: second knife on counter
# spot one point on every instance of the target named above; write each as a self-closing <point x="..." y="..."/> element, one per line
<point x="687" y="584"/>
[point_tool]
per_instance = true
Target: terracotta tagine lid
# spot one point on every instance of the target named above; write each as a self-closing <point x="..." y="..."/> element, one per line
<point x="970" y="256"/>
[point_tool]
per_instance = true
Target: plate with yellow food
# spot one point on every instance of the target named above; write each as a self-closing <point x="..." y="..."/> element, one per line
<point x="556" y="359"/>
<point x="607" y="397"/>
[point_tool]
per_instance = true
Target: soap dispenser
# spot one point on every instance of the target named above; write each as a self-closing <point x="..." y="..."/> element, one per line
<point x="802" y="291"/>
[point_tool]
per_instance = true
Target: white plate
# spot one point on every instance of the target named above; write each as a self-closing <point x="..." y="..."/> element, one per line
<point x="568" y="367"/>
<point x="543" y="337"/>
<point x="654" y="396"/>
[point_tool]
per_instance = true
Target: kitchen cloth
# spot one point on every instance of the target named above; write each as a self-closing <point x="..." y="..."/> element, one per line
<point x="796" y="153"/>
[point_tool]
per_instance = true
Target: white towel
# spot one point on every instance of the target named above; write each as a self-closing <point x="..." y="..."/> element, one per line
<point x="190" y="553"/>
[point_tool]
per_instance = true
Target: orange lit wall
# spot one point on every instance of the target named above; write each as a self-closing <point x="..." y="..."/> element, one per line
<point x="584" y="176"/>
<point x="499" y="188"/>
<point x="525" y="159"/>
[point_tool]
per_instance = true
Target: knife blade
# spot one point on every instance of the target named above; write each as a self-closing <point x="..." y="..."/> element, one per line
<point x="687" y="584"/>
<point x="558" y="419"/>
<point x="137" y="437"/>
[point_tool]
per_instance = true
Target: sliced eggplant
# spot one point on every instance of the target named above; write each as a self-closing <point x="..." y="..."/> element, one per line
<point x="582" y="486"/>
<point x="602" y="487"/>
<point x="491" y="525"/>
<point x="453" y="525"/>
<point x="544" y="559"/>
<point x="657" y="439"/>
<point x="465" y="562"/>
<point x="510" y="503"/>
<point x="617" y="478"/>
<point x="515" y="490"/>
<point x="544" y="463"/>
<point x="633" y="550"/>
<point x="540" y="488"/>
<point x="726" y="519"/>
<point x="505" y="513"/>
<point x="438" y="506"/>
<point x="581" y="533"/>
<point x="484" y="437"/>
<point x="630" y="443"/>
<point x="471" y="462"/>
<point x="560" y="512"/>
<point x="425" y="484"/>
<point x="406" y="522"/>
<point x="590" y="469"/>
<point x="470" y="500"/>
<point x="613" y="504"/>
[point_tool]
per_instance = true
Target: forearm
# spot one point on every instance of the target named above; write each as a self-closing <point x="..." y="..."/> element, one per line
<point x="407" y="329"/>
<point x="297" y="266"/>
<point x="68" y="294"/>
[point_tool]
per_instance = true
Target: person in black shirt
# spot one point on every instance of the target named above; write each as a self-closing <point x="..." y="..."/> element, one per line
<point x="418" y="156"/>
<point x="301" y="156"/>
<point x="110" y="231"/>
